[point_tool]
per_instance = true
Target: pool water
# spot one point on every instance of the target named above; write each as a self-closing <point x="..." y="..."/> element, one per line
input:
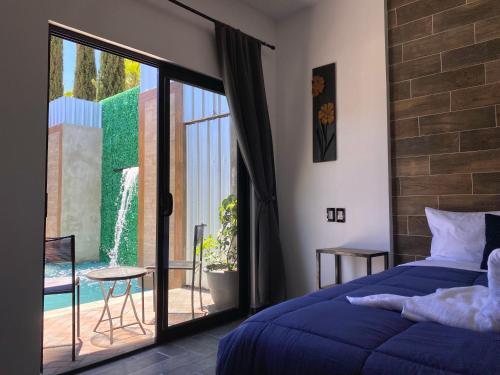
<point x="89" y="289"/>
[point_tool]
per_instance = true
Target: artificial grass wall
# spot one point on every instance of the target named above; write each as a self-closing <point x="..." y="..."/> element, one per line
<point x="120" y="124"/>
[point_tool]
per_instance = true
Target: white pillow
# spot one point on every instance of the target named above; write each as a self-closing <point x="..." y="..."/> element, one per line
<point x="458" y="236"/>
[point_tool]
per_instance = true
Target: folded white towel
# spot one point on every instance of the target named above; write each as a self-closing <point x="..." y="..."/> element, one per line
<point x="491" y="309"/>
<point x="475" y="307"/>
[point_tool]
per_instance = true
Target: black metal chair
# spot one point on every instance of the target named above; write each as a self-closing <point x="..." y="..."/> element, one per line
<point x="192" y="265"/>
<point x="188" y="265"/>
<point x="62" y="250"/>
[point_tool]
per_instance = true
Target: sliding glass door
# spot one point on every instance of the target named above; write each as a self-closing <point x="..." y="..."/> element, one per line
<point x="147" y="204"/>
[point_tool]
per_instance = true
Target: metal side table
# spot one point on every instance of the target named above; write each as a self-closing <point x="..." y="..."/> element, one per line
<point x="340" y="251"/>
<point x="115" y="274"/>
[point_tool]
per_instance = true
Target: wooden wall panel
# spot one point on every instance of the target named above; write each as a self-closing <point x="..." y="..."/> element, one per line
<point x="444" y="71"/>
<point x="470" y="55"/>
<point x="177" y="224"/>
<point x="54" y="182"/>
<point x="455" y="121"/>
<point x="422" y="8"/>
<point x="488" y="29"/>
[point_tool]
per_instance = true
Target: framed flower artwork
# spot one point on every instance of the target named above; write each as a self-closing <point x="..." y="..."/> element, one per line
<point x="324" y="113"/>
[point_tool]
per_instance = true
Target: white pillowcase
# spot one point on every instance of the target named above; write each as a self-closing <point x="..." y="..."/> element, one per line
<point x="458" y="236"/>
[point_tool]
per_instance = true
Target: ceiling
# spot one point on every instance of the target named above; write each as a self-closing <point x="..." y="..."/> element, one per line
<point x="278" y="9"/>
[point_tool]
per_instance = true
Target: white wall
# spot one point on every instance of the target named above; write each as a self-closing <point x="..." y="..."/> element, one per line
<point x="23" y="61"/>
<point x="352" y="34"/>
<point x="152" y="26"/>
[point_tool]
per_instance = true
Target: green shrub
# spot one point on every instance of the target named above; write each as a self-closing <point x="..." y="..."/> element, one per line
<point x="221" y="253"/>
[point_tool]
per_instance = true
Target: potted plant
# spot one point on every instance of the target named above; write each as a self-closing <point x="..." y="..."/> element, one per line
<point x="221" y="257"/>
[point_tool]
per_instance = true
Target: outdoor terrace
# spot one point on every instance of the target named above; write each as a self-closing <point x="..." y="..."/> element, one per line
<point x="92" y="347"/>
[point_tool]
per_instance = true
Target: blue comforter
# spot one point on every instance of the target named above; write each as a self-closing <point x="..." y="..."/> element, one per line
<point x="321" y="333"/>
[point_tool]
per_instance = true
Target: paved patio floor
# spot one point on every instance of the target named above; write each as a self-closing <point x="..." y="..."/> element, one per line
<point x="93" y="347"/>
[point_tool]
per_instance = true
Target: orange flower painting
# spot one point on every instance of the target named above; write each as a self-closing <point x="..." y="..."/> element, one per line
<point x="318" y="85"/>
<point x="325" y="118"/>
<point x="326" y="114"/>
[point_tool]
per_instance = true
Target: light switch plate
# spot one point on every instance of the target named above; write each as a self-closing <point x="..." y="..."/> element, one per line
<point x="330" y="215"/>
<point x="340" y="215"/>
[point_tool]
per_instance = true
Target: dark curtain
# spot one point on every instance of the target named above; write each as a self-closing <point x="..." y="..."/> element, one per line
<point x="241" y="64"/>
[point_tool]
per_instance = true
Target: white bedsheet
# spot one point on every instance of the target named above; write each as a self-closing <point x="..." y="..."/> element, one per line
<point x="433" y="262"/>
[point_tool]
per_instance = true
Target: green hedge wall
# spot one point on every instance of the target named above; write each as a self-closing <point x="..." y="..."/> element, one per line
<point x="120" y="123"/>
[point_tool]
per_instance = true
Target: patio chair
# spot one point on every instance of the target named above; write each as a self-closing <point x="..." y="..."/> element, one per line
<point x="192" y="265"/>
<point x="188" y="265"/>
<point x="58" y="251"/>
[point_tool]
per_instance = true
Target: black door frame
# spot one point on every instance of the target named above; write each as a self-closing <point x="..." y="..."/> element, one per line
<point x="168" y="71"/>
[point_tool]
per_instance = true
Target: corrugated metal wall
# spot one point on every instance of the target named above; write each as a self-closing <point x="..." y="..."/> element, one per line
<point x="73" y="111"/>
<point x="210" y="152"/>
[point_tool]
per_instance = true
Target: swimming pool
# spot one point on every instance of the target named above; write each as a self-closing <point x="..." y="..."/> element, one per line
<point x="89" y="290"/>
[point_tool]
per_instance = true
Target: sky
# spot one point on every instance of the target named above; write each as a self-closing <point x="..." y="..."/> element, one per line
<point x="69" y="63"/>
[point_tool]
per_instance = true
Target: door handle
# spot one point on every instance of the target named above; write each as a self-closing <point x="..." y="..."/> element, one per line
<point x="168" y="206"/>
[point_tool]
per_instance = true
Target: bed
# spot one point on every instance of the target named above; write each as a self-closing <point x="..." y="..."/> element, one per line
<point x="321" y="333"/>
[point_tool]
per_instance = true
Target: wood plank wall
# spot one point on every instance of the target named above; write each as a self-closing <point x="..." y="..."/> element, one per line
<point x="177" y="223"/>
<point x="444" y="73"/>
<point x="54" y="181"/>
<point x="147" y="192"/>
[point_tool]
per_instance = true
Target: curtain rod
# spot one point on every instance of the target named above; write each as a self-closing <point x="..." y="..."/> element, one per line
<point x="198" y="13"/>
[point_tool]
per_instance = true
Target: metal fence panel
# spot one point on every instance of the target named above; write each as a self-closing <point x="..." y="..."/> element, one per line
<point x="72" y="111"/>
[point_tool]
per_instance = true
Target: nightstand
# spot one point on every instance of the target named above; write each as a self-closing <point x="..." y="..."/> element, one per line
<point x="342" y="251"/>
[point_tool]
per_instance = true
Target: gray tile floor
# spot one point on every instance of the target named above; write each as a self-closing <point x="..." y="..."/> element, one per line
<point x="195" y="355"/>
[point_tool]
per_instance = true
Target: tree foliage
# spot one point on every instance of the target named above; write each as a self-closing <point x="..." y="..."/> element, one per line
<point x="85" y="73"/>
<point x="56" y="68"/>
<point x="111" y="76"/>
<point x="132" y="73"/>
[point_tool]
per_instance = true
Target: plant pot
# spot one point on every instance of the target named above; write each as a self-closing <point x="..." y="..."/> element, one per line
<point x="224" y="288"/>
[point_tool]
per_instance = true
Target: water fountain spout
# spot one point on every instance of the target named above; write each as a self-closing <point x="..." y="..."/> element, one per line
<point x="128" y="185"/>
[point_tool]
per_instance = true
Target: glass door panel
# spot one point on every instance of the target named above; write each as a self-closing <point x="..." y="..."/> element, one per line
<point x="102" y="192"/>
<point x="202" y="265"/>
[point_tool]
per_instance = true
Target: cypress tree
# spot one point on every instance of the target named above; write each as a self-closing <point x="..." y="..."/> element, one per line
<point x="111" y="76"/>
<point x="85" y="73"/>
<point x="56" y="68"/>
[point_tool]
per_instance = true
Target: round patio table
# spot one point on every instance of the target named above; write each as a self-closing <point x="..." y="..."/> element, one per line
<point x="115" y="274"/>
